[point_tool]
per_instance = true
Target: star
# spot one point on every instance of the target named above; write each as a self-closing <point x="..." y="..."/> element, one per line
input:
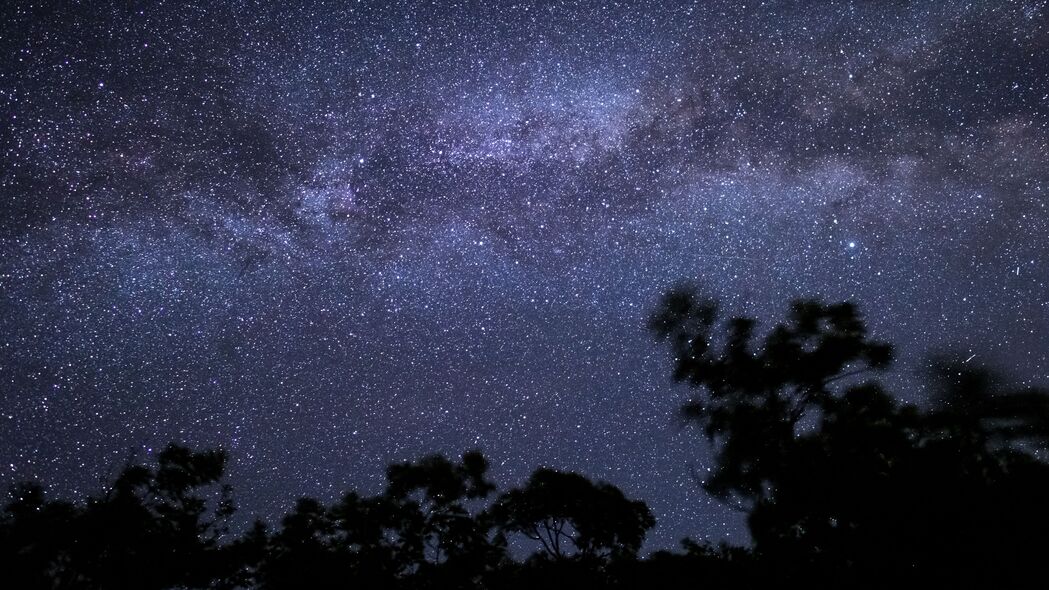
<point x="329" y="237"/>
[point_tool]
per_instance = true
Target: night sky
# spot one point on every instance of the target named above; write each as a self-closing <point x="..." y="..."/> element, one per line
<point x="327" y="236"/>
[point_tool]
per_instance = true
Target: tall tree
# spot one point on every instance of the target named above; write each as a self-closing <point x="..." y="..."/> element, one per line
<point x="843" y="482"/>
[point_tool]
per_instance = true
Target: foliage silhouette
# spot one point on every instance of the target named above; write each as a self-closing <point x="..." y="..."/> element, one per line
<point x="843" y="484"/>
<point x="420" y="533"/>
<point x="141" y="532"/>
<point x="569" y="516"/>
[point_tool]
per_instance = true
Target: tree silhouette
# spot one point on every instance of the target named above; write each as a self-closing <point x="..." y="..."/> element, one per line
<point x="35" y="544"/>
<point x="843" y="483"/>
<point x="448" y="543"/>
<point x="587" y="533"/>
<point x="140" y="533"/>
<point x="752" y="399"/>
<point x="570" y="516"/>
<point x="420" y="533"/>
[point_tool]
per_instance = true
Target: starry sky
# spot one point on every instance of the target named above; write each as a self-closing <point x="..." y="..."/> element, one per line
<point x="330" y="235"/>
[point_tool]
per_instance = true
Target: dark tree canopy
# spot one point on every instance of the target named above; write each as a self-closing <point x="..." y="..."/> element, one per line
<point x="842" y="481"/>
<point x="752" y="395"/>
<point x="844" y="485"/>
<point x="570" y="516"/>
<point x="139" y="533"/>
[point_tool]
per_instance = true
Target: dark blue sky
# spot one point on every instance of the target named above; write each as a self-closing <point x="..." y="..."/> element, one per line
<point x="331" y="235"/>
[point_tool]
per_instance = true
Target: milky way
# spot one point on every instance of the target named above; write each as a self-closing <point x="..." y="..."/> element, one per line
<point x="333" y="235"/>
